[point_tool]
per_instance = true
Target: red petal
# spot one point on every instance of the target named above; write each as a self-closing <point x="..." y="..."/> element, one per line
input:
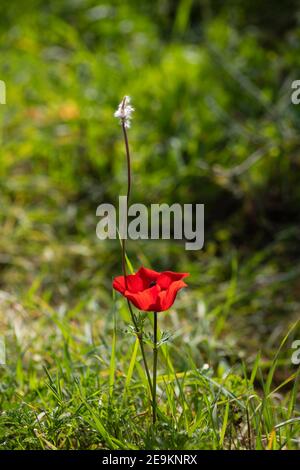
<point x="167" y="297"/>
<point x="134" y="283"/>
<point x="146" y="300"/>
<point x="147" y="276"/>
<point x="167" y="277"/>
<point x="119" y="284"/>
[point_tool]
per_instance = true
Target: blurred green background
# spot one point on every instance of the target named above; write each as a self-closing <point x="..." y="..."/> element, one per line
<point x="214" y="124"/>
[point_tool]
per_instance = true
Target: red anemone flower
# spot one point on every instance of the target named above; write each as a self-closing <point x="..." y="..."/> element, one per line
<point x="149" y="290"/>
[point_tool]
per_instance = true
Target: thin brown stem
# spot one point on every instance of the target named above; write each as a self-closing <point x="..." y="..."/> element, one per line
<point x="138" y="331"/>
<point x="139" y="334"/>
<point x="128" y="163"/>
<point x="154" y="367"/>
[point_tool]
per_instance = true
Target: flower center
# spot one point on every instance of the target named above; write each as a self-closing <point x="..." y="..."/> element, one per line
<point x="152" y="283"/>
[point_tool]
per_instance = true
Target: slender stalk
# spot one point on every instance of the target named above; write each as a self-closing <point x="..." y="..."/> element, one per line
<point x="128" y="163"/>
<point x="127" y="206"/>
<point x="139" y="332"/>
<point x="154" y="367"/>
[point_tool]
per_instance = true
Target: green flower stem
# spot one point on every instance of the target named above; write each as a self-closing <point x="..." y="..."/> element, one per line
<point x="154" y="367"/>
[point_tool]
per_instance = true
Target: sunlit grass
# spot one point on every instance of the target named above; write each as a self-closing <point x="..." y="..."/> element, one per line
<point x="68" y="386"/>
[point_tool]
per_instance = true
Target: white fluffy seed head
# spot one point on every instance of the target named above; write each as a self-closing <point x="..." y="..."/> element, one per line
<point x="124" y="111"/>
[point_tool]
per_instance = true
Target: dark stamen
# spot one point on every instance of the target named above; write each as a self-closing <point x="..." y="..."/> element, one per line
<point x="152" y="283"/>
